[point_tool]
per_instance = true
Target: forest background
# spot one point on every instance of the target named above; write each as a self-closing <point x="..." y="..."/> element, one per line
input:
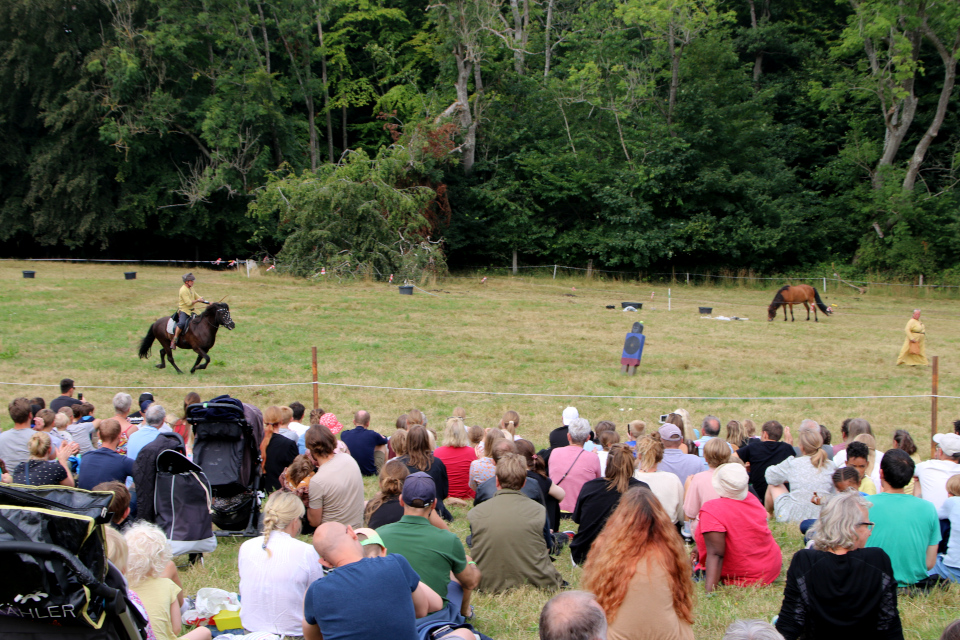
<point x="374" y="136"/>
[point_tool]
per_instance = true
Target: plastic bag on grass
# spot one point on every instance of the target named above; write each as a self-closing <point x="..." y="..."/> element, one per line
<point x="211" y="601"/>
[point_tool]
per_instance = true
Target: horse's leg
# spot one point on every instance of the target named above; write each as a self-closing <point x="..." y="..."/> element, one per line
<point x="807" y="307"/>
<point x="200" y="356"/>
<point x="170" y="358"/>
<point x="163" y="356"/>
<point x="784" y="311"/>
<point x="814" y="305"/>
<point x="792" y="319"/>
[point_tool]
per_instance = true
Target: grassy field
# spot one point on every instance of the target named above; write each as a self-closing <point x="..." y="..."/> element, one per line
<point x="550" y="342"/>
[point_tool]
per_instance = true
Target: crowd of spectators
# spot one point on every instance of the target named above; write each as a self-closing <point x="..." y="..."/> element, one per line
<point x="647" y="516"/>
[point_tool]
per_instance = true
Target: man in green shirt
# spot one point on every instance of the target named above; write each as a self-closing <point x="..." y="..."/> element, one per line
<point x="906" y="527"/>
<point x="433" y="553"/>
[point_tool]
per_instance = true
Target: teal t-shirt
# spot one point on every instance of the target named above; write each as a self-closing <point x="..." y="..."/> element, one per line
<point x="433" y="553"/>
<point x="904" y="527"/>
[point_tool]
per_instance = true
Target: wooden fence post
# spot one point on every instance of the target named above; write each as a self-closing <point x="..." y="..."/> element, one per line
<point x="933" y="404"/>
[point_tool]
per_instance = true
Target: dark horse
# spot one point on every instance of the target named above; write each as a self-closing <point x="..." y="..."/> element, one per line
<point x="797" y="294"/>
<point x="200" y="336"/>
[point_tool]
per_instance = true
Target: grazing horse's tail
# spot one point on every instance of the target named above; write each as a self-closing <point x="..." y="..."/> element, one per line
<point x="146" y="343"/>
<point x="820" y="304"/>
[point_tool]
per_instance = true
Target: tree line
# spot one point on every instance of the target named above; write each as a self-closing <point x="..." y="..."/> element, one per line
<point x="381" y="135"/>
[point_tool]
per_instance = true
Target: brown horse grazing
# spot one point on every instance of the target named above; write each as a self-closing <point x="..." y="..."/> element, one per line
<point x="797" y="294"/>
<point x="200" y="335"/>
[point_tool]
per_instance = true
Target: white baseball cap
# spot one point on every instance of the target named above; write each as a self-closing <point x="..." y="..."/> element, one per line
<point x="949" y="443"/>
<point x="569" y="415"/>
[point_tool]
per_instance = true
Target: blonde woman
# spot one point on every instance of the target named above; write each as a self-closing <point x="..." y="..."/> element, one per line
<point x="457" y="455"/>
<point x="276" y="569"/>
<point x="664" y="484"/>
<point x="737" y="435"/>
<point x="276" y="450"/>
<point x="38" y="470"/>
<point x="147" y="566"/>
<point x="810" y="474"/>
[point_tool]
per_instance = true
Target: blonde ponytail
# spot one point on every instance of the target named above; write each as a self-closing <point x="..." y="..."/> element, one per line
<point x="811" y="444"/>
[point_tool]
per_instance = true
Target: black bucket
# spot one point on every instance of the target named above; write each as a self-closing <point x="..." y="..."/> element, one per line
<point x="635" y="305"/>
<point x="29" y="274"/>
<point x="130" y="275"/>
<point x="706" y="311"/>
<point x="406" y="289"/>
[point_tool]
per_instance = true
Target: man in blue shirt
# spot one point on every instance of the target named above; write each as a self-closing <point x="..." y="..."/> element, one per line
<point x="105" y="464"/>
<point x="337" y="606"/>
<point x="147" y="433"/>
<point x="364" y="444"/>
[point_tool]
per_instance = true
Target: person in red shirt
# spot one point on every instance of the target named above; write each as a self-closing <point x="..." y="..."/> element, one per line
<point x="734" y="543"/>
<point x="457" y="454"/>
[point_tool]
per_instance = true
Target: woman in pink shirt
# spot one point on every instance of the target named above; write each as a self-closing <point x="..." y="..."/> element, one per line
<point x="734" y="543"/>
<point x="571" y="467"/>
<point x="457" y="454"/>
<point x="699" y="488"/>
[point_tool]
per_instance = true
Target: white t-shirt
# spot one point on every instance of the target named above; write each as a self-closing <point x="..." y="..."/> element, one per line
<point x="300" y="429"/>
<point x="272" y="588"/>
<point x="668" y="489"/>
<point x="933" y="475"/>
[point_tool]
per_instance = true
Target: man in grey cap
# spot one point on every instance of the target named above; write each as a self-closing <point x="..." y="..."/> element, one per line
<point x="187" y="300"/>
<point x="675" y="461"/>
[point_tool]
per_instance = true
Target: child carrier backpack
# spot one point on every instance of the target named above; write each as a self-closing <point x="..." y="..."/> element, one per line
<point x="182" y="504"/>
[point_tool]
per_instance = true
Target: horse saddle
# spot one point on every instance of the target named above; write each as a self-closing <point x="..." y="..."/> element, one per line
<point x="172" y="326"/>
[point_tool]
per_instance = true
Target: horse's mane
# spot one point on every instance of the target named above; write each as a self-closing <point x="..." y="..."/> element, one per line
<point x="212" y="308"/>
<point x="779" y="296"/>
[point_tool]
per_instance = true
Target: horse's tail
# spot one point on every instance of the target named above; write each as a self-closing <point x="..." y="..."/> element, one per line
<point x="820" y="304"/>
<point x="146" y="343"/>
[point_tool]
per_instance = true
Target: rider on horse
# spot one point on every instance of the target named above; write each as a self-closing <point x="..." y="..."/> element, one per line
<point x="188" y="298"/>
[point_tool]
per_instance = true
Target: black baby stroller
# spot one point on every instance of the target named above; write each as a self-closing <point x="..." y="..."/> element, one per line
<point x="226" y="447"/>
<point x="57" y="581"/>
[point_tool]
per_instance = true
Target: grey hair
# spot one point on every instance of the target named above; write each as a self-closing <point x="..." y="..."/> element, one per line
<point x="155" y="415"/>
<point x="752" y="630"/>
<point x="839" y="518"/>
<point x="811" y="424"/>
<point x="579" y="430"/>
<point x="705" y="425"/>
<point x="122" y="402"/>
<point x="573" y="615"/>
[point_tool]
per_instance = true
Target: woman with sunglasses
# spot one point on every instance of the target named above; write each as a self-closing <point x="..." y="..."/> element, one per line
<point x="839" y="589"/>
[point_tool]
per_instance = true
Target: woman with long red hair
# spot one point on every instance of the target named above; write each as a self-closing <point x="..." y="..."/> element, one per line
<point x="640" y="573"/>
<point x="276" y="451"/>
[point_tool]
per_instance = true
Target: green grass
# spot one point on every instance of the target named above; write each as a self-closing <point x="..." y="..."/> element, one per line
<point x="517" y="335"/>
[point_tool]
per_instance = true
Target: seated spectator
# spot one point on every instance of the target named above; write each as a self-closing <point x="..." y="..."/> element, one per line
<point x="338" y="605"/>
<point x="365" y="444"/>
<point x="433" y="553"/>
<point x="483" y="468"/>
<point x="297" y="409"/>
<point x="854" y="428"/>
<point x="321" y="417"/>
<point x="148" y="431"/>
<point x="286" y="417"/>
<point x="384" y="507"/>
<point x="811" y="473"/>
<point x="509" y="423"/>
<point x="764" y="453"/>
<point x="734" y="543"/>
<point x="65" y="399"/>
<point x="906" y="527"/>
<point x="932" y="475"/>
<point x="105" y="464"/>
<point x="664" y="484"/>
<point x="120" y="505"/>
<point x="751" y="429"/>
<point x="398" y="443"/>
<point x="60" y="424"/>
<point x="710" y="428"/>
<point x="143" y="403"/>
<point x="813" y="425"/>
<point x="276" y="569"/>
<point x="600" y="497"/>
<point x="83" y="430"/>
<point x="569" y="468"/>
<point x="122" y="402"/>
<point x="683" y="465"/>
<point x="948" y="564"/>
<point x="903" y="440"/>
<point x="536" y="470"/>
<point x="737" y="436"/>
<point x="39" y="470"/>
<point x="838" y="589"/>
<point x="751" y="630"/>
<point x="276" y="452"/>
<point x="419" y="457"/>
<point x="299" y="474"/>
<point x="336" y="489"/>
<point x="635" y="430"/>
<point x="475" y="434"/>
<point x="573" y="615"/>
<point x="147" y="567"/>
<point x="117" y="554"/>
<point x="862" y="459"/>
<point x="44" y="420"/>
<point x="606" y="439"/>
<point x="373" y="545"/>
<point x="531" y="487"/>
<point x="699" y="488"/>
<point x="639" y="571"/>
<point x="182" y="426"/>
<point x="511" y="516"/>
<point x="457" y="455"/>
<point x="14" y="443"/>
<point x="558" y="437"/>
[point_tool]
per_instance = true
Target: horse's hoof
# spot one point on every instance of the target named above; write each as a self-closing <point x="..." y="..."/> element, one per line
<point x="160" y="366"/>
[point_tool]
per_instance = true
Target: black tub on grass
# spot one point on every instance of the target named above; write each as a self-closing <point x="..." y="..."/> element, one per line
<point x="29" y="274"/>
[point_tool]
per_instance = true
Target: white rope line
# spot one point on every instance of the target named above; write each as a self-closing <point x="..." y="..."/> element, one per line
<point x="426" y="292"/>
<point x="491" y="393"/>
